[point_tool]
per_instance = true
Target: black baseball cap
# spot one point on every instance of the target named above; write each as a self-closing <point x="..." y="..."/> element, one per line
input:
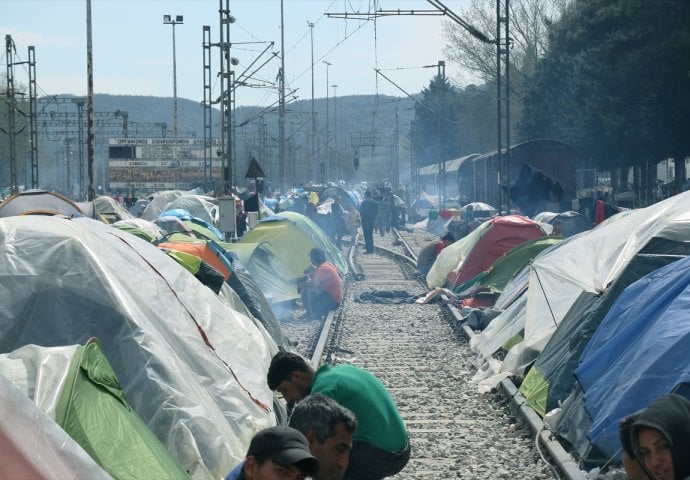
<point x="286" y="446"/>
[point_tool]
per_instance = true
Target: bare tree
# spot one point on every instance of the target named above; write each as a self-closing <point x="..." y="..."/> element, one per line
<point x="529" y="21"/>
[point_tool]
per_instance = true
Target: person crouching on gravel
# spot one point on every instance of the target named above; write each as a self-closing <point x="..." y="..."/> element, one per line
<point x="323" y="291"/>
<point x="381" y="445"/>
<point x="427" y="255"/>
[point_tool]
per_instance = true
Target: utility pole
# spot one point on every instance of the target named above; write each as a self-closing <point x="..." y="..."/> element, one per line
<point x="89" y="115"/>
<point x="327" y="144"/>
<point x="12" y="108"/>
<point x="281" y="100"/>
<point x="313" y="109"/>
<point x="503" y="101"/>
<point x="335" y="130"/>
<point x="226" y="62"/>
<point x="440" y="112"/>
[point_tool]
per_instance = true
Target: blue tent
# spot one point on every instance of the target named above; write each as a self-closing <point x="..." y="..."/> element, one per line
<point x="638" y="353"/>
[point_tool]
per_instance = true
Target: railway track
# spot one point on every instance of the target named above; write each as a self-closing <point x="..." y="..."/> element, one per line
<point x="427" y="365"/>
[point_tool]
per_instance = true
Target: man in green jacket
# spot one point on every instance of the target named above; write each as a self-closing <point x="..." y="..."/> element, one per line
<point x="381" y="446"/>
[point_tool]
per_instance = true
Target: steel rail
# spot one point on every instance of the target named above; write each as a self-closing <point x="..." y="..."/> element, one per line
<point x="565" y="462"/>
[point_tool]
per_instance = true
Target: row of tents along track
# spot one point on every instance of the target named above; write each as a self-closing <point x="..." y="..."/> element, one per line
<point x="167" y="322"/>
<point x="584" y="329"/>
<point x="140" y="348"/>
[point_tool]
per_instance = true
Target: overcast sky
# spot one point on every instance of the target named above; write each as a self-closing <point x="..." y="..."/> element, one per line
<point x="132" y="47"/>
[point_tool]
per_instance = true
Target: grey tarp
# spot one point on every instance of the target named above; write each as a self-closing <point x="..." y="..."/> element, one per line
<point x="191" y="367"/>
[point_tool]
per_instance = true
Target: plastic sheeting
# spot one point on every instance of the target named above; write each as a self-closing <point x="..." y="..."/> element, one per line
<point x="638" y="353"/>
<point x="191" y="367"/>
<point x="589" y="262"/>
<point x="33" y="446"/>
<point x="91" y="408"/>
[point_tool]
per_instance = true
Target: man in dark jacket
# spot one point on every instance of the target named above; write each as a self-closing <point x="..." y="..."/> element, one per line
<point x="367" y="213"/>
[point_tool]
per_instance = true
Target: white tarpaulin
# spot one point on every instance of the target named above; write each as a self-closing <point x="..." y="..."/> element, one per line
<point x="589" y="262"/>
<point x="33" y="446"/>
<point x="192" y="368"/>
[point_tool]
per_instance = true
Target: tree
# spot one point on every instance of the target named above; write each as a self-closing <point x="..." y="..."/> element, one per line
<point x="433" y="130"/>
<point x="614" y="83"/>
<point x="529" y="21"/>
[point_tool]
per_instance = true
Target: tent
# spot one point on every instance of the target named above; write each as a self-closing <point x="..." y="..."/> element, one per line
<point x="507" y="329"/>
<point x="638" y="353"/>
<point x="321" y="239"/>
<point x="292" y="235"/>
<point x="238" y="278"/>
<point x="200" y="227"/>
<point x="590" y="262"/>
<point x="348" y="199"/>
<point x="252" y="295"/>
<point x="551" y="378"/>
<point x="474" y="253"/>
<point x="145" y="229"/>
<point x="76" y="387"/>
<point x="198" y="206"/>
<point x="42" y="202"/>
<point x="270" y="271"/>
<point x="205" y="251"/>
<point x="191" y="367"/>
<point x="109" y="211"/>
<point x="33" y="446"/>
<point x="492" y="281"/>
<point x="158" y="203"/>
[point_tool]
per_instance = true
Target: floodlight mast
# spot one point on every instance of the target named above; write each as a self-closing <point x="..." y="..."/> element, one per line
<point x="177" y="20"/>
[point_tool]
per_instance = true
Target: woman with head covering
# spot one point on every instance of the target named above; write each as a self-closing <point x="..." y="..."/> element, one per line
<point x="661" y="438"/>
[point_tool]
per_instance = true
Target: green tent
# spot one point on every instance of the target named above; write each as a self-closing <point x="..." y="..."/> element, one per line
<point x="93" y="410"/>
<point x="503" y="269"/>
<point x="271" y="272"/>
<point x="292" y="235"/>
<point x="310" y="227"/>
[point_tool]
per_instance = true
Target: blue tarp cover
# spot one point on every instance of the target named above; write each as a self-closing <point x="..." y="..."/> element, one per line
<point x="638" y="353"/>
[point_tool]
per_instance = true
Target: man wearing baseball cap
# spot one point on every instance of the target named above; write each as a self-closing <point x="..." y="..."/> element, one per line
<point x="276" y="453"/>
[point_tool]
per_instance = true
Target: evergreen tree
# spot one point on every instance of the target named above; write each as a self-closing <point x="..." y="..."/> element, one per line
<point x="434" y="128"/>
<point x="614" y="83"/>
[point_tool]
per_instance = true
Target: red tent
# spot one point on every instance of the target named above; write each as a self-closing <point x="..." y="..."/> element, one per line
<point x="502" y="235"/>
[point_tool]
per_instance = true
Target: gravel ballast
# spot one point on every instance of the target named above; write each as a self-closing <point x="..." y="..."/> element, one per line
<point x="455" y="431"/>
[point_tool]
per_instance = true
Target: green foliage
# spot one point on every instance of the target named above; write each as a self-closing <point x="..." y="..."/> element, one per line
<point x="615" y="82"/>
<point x="434" y="128"/>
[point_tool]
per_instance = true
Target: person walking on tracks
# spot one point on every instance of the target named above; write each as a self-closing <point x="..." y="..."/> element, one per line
<point x="367" y="213"/>
<point x="381" y="445"/>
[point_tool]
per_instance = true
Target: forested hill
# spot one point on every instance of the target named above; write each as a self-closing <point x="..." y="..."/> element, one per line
<point x="360" y="112"/>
